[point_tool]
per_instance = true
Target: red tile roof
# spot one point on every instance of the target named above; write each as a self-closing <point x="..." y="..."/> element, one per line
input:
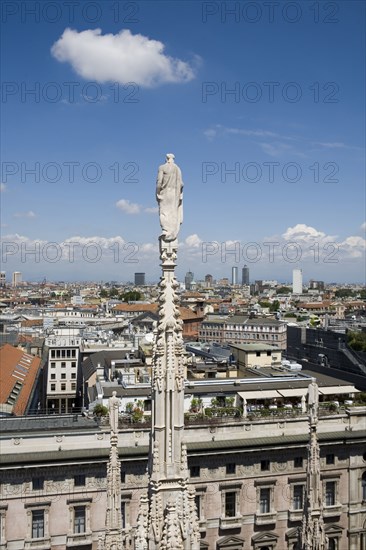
<point x="138" y="308"/>
<point x="18" y="372"/>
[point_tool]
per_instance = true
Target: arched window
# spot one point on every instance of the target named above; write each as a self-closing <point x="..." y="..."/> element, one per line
<point x="363" y="487"/>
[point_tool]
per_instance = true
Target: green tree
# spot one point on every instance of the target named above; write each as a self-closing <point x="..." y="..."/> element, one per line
<point x="100" y="410"/>
<point x="283" y="290"/>
<point x="357" y="340"/>
<point x="344" y="293"/>
<point x="131" y="296"/>
<point x="275" y="306"/>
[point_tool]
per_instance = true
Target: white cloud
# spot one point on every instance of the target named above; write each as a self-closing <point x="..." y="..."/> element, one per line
<point x="363" y="226"/>
<point x="29" y="214"/>
<point x="122" y="57"/>
<point x="128" y="207"/>
<point x="151" y="210"/>
<point x="2" y="187"/>
<point x="332" y="145"/>
<point x="353" y="247"/>
<point x="210" y="133"/>
<point x="193" y="241"/>
<point x="305" y="233"/>
<point x="275" y="149"/>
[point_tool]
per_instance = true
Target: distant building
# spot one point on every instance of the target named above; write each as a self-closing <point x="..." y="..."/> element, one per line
<point x="234" y="275"/>
<point x="209" y="280"/>
<point x="239" y="329"/>
<point x="17" y="278"/>
<point x="62" y="373"/>
<point x="188" y="279"/>
<point x="297" y="281"/>
<point x="139" y="279"/>
<point x="245" y="275"/>
<point x="316" y="285"/>
<point x="2" y="279"/>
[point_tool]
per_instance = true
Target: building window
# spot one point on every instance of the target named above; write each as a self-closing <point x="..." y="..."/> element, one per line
<point x="73" y="364"/>
<point x="53" y="365"/>
<point x="298" y="462"/>
<point x="363" y="486"/>
<point x="73" y="375"/>
<point x="264" y="500"/>
<point x="230" y="504"/>
<point x="329" y="459"/>
<point x="53" y="354"/>
<point x="63" y="376"/>
<point x="73" y="385"/>
<point x="298" y="497"/>
<point x="123" y="514"/>
<point x="197" y="500"/>
<point x="37" y="483"/>
<point x="265" y="465"/>
<point x="79" y="480"/>
<point x="37" y="524"/>
<point x="53" y="387"/>
<point x="231" y="468"/>
<point x="79" y="519"/>
<point x="195" y="471"/>
<point x="63" y="387"/>
<point x="332" y="544"/>
<point x="53" y="376"/>
<point x="330" y="493"/>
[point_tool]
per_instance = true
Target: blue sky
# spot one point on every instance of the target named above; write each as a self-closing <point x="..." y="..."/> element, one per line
<point x="278" y="160"/>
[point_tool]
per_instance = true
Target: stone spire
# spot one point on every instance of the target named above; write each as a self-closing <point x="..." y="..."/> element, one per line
<point x="167" y="518"/>
<point x="312" y="536"/>
<point x="113" y="538"/>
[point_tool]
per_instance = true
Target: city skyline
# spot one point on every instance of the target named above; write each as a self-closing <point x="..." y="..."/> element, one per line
<point x="270" y="139"/>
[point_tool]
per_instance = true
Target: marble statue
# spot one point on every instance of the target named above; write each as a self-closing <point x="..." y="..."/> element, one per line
<point x="113" y="411"/>
<point x="169" y="194"/>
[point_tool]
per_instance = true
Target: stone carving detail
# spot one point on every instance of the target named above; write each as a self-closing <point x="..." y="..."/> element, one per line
<point x="167" y="519"/>
<point x="113" y="539"/>
<point x="312" y="534"/>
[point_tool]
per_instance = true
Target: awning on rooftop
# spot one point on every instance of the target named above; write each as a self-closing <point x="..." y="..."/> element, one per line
<point x="293" y="392"/>
<point x="338" y="389"/>
<point x="259" y="394"/>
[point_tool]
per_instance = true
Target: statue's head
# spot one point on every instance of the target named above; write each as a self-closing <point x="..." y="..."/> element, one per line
<point x="170" y="157"/>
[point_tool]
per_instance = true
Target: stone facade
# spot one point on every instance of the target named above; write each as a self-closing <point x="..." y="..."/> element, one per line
<point x="241" y="330"/>
<point x="247" y="476"/>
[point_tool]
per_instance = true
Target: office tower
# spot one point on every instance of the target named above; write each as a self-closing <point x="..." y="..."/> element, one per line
<point x="139" y="279"/>
<point x="297" y="281"/>
<point x="245" y="275"/>
<point x="2" y="279"/>
<point x="188" y="279"/>
<point x="234" y="275"/>
<point x="17" y="278"/>
<point x="209" y="279"/>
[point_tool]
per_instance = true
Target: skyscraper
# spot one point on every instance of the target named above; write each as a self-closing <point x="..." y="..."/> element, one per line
<point x="139" y="279"/>
<point x="234" y="275"/>
<point x="17" y="278"/>
<point x="188" y="279"/>
<point x="245" y="275"/>
<point x="297" y="281"/>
